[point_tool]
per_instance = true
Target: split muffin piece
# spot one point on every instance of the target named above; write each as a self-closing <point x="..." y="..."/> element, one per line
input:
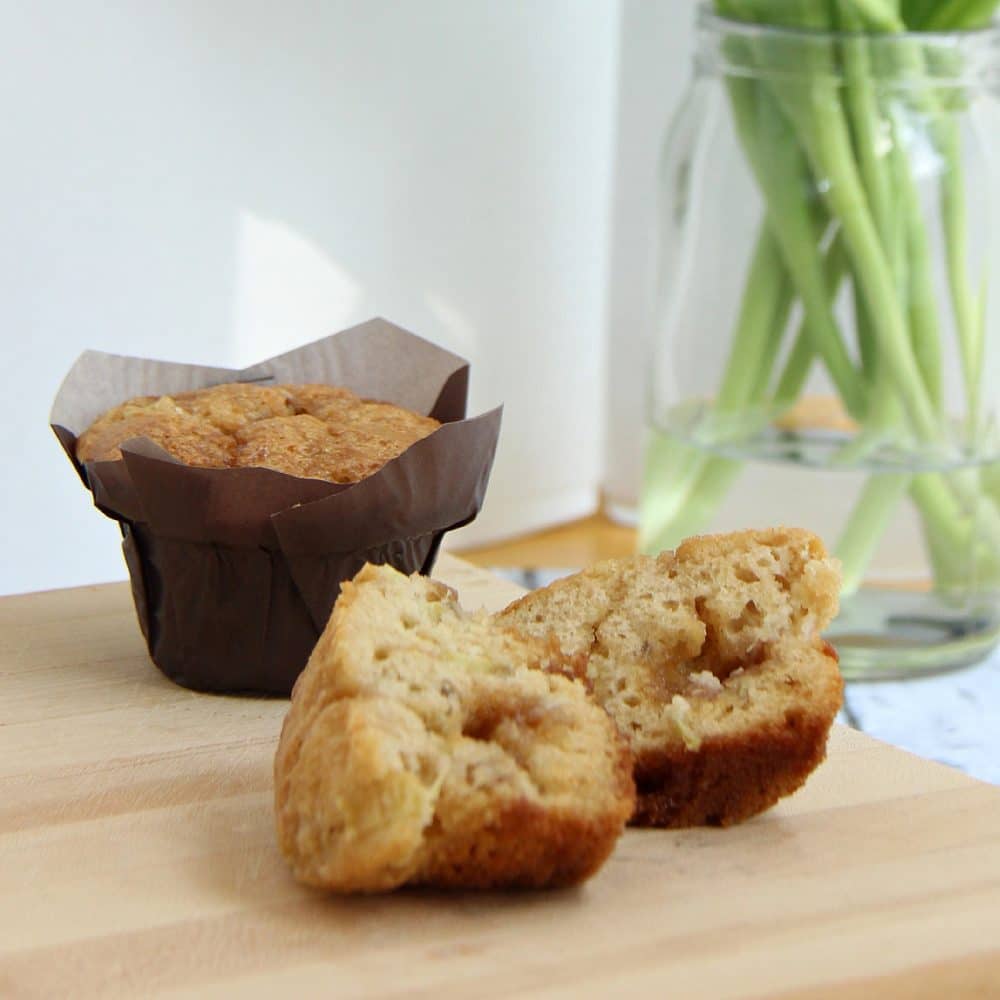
<point x="710" y="661"/>
<point x="427" y="746"/>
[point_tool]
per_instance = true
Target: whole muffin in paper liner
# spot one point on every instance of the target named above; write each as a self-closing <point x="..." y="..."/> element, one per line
<point x="235" y="571"/>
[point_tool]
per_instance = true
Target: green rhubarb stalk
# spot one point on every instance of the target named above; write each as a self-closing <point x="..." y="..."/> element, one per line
<point x="951" y="505"/>
<point x="866" y="127"/>
<point x="881" y="427"/>
<point x="890" y="199"/>
<point x="933" y="493"/>
<point x="716" y="477"/>
<point x="699" y="485"/>
<point x="922" y="307"/>
<point x="796" y="369"/>
<point x="935" y="110"/>
<point x="881" y="494"/>
<point x="792" y="134"/>
<point x="818" y="114"/>
<point x="917" y="12"/>
<point x="953" y="217"/>
<point x="780" y="169"/>
<point x="820" y="120"/>
<point x="762" y="319"/>
<point x="814" y="107"/>
<point x="877" y="16"/>
<point x="949" y="531"/>
<point x="874" y="371"/>
<point x="685" y="484"/>
<point x="673" y="476"/>
<point x="856" y="546"/>
<point x="865" y="120"/>
<point x="955" y="15"/>
<point x="670" y="473"/>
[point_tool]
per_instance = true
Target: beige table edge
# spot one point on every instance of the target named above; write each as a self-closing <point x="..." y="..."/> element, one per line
<point x="138" y="857"/>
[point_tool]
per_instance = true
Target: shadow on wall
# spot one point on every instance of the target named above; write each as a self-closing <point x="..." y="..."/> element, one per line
<point x="218" y="182"/>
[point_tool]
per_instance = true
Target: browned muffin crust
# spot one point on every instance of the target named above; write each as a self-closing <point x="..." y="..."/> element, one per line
<point x="232" y="406"/>
<point x="708" y="660"/>
<point x="305" y="446"/>
<point x="327" y="402"/>
<point x="311" y="431"/>
<point x="186" y="437"/>
<point x="389" y="424"/>
<point x="427" y="746"/>
<point x="739" y="770"/>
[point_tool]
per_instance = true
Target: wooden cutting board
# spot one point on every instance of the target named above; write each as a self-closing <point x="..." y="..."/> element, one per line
<point x="137" y="856"/>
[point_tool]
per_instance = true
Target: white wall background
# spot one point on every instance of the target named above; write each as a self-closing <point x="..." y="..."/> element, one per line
<point x="220" y="181"/>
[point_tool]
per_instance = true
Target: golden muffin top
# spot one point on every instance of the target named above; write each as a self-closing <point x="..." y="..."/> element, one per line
<point x="311" y="431"/>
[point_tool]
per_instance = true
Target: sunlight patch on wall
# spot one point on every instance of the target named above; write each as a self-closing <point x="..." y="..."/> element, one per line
<point x="461" y="333"/>
<point x="288" y="291"/>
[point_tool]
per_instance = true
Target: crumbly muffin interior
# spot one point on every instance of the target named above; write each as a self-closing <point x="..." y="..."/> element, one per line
<point x="426" y="745"/>
<point x="678" y="626"/>
<point x="313" y="431"/>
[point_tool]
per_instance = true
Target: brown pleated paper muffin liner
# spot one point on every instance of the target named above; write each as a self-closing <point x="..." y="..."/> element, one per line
<point x="235" y="571"/>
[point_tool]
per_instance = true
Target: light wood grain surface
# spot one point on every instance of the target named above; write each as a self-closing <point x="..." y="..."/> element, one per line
<point x="137" y="857"/>
<point x="572" y="544"/>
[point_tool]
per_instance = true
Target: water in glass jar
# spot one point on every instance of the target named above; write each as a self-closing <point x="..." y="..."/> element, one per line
<point x="927" y="599"/>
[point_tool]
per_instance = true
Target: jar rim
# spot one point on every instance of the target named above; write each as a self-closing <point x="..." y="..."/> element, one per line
<point x="708" y="17"/>
<point x="954" y="59"/>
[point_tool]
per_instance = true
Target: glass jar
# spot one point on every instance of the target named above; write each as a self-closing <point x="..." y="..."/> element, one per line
<point x="826" y="345"/>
